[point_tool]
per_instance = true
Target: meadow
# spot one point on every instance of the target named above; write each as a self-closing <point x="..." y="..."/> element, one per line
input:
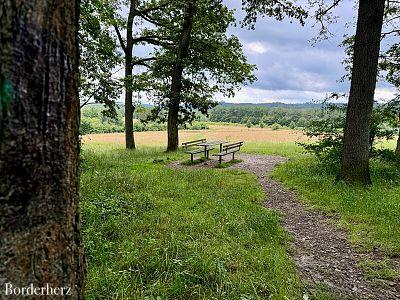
<point x="154" y="232"/>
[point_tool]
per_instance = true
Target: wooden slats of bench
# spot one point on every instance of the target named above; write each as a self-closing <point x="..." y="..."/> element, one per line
<point x="231" y="148"/>
<point x="193" y="143"/>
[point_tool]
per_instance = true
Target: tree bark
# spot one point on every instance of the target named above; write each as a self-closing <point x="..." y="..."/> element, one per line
<point x="40" y="234"/>
<point x="129" y="109"/>
<point x="176" y="83"/>
<point x="355" y="157"/>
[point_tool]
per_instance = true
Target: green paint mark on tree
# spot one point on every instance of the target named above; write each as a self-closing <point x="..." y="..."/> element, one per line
<point x="7" y="93"/>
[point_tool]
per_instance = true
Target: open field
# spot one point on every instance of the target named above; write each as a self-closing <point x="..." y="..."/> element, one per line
<point x="216" y="132"/>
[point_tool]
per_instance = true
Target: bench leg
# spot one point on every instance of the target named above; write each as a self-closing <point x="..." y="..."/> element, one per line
<point x="220" y="159"/>
<point x="233" y="156"/>
<point x="191" y="157"/>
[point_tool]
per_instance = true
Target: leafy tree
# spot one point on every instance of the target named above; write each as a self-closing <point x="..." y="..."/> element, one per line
<point x="113" y="16"/>
<point x="355" y="155"/>
<point x="40" y="232"/>
<point x="99" y="58"/>
<point x="203" y="60"/>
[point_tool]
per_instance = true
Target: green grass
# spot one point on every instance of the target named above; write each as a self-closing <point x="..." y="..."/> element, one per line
<point x="152" y="232"/>
<point x="227" y="164"/>
<point x="372" y="215"/>
<point x="287" y="149"/>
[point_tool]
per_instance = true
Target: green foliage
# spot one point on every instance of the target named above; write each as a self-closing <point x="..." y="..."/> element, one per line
<point x="257" y="115"/>
<point x="152" y="231"/>
<point x="276" y="126"/>
<point x="99" y="58"/>
<point x="328" y="129"/>
<point x="215" y="63"/>
<point x="274" y="9"/>
<point x="94" y="121"/>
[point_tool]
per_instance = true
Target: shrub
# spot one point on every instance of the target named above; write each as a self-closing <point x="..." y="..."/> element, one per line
<point x="276" y="126"/>
<point x="329" y="126"/>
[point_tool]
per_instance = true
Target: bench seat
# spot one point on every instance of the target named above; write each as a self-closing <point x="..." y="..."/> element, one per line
<point x="197" y="151"/>
<point x="229" y="149"/>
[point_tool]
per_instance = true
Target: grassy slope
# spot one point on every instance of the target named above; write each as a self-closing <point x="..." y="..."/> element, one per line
<point x="201" y="234"/>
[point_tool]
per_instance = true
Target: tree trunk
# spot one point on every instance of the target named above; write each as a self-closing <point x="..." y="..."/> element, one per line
<point x="398" y="147"/>
<point x="129" y="138"/>
<point x="40" y="234"/>
<point x="355" y="158"/>
<point x="176" y="84"/>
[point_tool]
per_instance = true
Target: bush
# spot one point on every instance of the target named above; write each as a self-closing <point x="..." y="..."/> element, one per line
<point x="276" y="126"/>
<point x="329" y="126"/>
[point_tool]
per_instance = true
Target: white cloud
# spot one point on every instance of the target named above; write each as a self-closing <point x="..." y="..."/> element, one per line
<point x="256" y="48"/>
<point x="384" y="93"/>
<point x="255" y="95"/>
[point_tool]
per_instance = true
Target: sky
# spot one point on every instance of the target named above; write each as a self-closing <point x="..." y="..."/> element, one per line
<point x="291" y="68"/>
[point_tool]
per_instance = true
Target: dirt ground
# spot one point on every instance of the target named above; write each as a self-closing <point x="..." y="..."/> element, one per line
<point x="216" y="132"/>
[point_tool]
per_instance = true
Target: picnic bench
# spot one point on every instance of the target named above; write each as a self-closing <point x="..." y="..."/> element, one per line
<point x="231" y="148"/>
<point x="206" y="150"/>
<point x="193" y="143"/>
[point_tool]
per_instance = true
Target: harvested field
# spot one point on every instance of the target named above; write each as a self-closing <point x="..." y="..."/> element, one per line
<point x="216" y="132"/>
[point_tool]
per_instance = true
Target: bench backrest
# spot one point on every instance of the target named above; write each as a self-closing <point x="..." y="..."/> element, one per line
<point x="193" y="143"/>
<point x="231" y="146"/>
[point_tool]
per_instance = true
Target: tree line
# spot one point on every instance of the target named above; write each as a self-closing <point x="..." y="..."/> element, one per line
<point x="262" y="116"/>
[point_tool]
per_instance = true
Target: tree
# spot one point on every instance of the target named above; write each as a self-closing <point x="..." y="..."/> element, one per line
<point x="99" y="58"/>
<point x="355" y="156"/>
<point x="199" y="61"/>
<point x="112" y="14"/>
<point x="40" y="235"/>
<point x="176" y="82"/>
<point x="391" y="64"/>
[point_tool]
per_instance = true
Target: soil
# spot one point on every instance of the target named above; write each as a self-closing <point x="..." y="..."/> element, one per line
<point x="321" y="250"/>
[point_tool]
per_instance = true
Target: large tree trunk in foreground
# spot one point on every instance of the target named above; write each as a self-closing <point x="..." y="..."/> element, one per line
<point x="40" y="235"/>
<point x="129" y="138"/>
<point x="176" y="84"/>
<point x="355" y="159"/>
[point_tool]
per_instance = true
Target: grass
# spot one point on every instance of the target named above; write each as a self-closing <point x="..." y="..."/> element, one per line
<point x="372" y="215"/>
<point x="152" y="232"/>
<point x="286" y="149"/>
<point x="227" y="164"/>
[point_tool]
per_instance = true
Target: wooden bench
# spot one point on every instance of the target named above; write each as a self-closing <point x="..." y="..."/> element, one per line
<point x="199" y="150"/>
<point x="193" y="143"/>
<point x="231" y="148"/>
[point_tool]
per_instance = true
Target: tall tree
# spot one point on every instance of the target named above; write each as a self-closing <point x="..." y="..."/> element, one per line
<point x="113" y="14"/>
<point x="355" y="157"/>
<point x="199" y="61"/>
<point x="176" y="82"/>
<point x="40" y="234"/>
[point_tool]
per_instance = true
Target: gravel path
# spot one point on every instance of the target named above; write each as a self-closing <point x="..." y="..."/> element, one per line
<point x="321" y="250"/>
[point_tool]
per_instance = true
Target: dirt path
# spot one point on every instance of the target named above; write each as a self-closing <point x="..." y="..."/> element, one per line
<point x="321" y="251"/>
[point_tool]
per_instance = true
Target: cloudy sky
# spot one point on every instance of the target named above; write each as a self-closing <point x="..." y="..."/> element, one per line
<point x="290" y="67"/>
